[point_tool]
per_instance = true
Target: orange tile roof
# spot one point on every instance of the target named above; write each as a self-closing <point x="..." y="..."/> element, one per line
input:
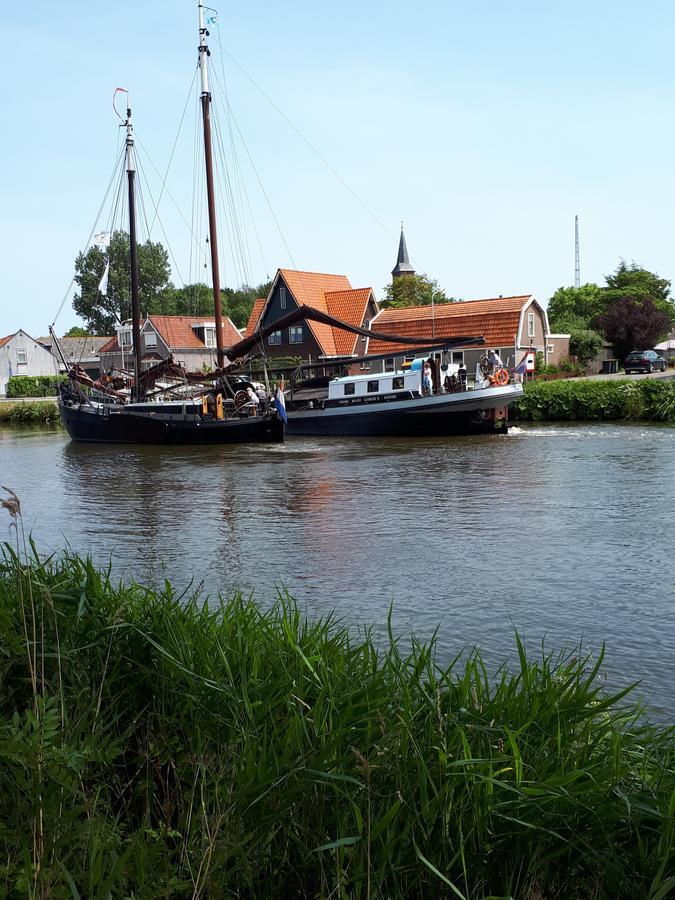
<point x="178" y="333"/>
<point x="496" y="319"/>
<point x="4" y="340"/>
<point x="350" y="307"/>
<point x="309" y="288"/>
<point x="110" y="347"/>
<point x="254" y="318"/>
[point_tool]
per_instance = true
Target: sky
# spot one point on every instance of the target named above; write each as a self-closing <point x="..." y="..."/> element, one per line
<point x="485" y="127"/>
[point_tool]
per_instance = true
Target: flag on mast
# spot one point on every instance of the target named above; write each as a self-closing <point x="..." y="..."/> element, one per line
<point x="102" y="239"/>
<point x="280" y="402"/>
<point x="103" y="283"/>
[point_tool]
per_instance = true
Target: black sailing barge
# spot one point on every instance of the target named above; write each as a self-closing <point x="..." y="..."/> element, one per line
<point x="219" y="414"/>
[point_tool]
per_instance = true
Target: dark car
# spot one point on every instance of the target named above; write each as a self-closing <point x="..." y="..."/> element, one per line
<point x="643" y="361"/>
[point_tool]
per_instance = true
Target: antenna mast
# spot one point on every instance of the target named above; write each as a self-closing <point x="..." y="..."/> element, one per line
<point x="577" y="271"/>
<point x="210" y="189"/>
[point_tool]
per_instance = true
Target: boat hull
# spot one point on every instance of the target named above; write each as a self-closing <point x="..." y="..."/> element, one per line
<point x="85" y="424"/>
<point x="470" y="412"/>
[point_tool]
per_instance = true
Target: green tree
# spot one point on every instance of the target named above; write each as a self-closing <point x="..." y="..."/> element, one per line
<point x="77" y="331"/>
<point x="192" y="300"/>
<point x="572" y="309"/>
<point x="102" y="311"/>
<point x="639" y="284"/>
<point x="633" y="323"/>
<point x="585" y="344"/>
<point x="414" y="290"/>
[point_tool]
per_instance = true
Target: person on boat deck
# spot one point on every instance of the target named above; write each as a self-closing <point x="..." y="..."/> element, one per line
<point x="210" y="405"/>
<point x="427" y="384"/>
<point x="495" y="361"/>
<point x="461" y="374"/>
<point x="261" y="394"/>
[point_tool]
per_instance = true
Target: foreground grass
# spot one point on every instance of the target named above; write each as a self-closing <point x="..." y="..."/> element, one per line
<point x="41" y="412"/>
<point x="570" y="400"/>
<point x="153" y="746"/>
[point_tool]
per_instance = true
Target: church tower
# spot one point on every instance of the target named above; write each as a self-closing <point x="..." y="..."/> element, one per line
<point x="402" y="267"/>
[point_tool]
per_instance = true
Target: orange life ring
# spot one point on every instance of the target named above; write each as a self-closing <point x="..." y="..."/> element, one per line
<point x="501" y="377"/>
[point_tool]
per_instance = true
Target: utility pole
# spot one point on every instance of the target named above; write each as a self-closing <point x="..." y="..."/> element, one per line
<point x="577" y="271"/>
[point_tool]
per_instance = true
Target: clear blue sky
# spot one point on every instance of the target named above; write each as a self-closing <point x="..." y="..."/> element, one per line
<point x="485" y="126"/>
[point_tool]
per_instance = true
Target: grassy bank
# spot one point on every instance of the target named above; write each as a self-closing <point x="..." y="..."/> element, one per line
<point x="41" y="412"/>
<point x="151" y="746"/>
<point x="571" y="400"/>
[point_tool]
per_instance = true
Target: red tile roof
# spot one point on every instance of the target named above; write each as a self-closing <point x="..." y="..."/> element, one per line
<point x="4" y="340"/>
<point x="178" y="332"/>
<point x="496" y="319"/>
<point x="350" y="307"/>
<point x="110" y="347"/>
<point x="254" y="317"/>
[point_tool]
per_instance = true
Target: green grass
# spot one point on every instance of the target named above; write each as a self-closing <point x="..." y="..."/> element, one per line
<point x="152" y="745"/>
<point x="566" y="400"/>
<point x="44" y="412"/>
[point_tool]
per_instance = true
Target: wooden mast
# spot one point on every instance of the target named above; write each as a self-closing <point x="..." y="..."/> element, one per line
<point x="210" y="190"/>
<point x="133" y="257"/>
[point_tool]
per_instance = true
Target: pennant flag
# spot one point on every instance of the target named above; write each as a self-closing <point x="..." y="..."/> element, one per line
<point x="103" y="283"/>
<point x="280" y="403"/>
<point x="212" y="20"/>
<point x="102" y="239"/>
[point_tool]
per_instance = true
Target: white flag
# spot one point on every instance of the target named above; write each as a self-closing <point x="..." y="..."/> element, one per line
<point x="103" y="283"/>
<point x="102" y="239"/>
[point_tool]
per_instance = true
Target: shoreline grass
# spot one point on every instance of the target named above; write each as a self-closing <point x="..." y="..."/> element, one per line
<point x="152" y="745"/>
<point x="36" y="412"/>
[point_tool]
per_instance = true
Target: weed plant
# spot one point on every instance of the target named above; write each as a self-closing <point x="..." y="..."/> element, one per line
<point x="39" y="413"/>
<point x="647" y="399"/>
<point x="154" y="745"/>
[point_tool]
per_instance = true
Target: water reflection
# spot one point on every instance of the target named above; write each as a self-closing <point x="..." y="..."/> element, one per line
<point x="536" y="531"/>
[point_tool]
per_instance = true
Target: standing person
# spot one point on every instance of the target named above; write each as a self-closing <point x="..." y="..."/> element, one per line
<point x="495" y="361"/>
<point x="461" y="374"/>
<point x="427" y="384"/>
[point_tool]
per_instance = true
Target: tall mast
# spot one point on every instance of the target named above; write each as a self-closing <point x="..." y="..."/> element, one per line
<point x="577" y="268"/>
<point x="210" y="191"/>
<point x="133" y="256"/>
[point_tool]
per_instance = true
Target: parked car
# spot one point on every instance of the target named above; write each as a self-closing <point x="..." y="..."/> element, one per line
<point x="643" y="361"/>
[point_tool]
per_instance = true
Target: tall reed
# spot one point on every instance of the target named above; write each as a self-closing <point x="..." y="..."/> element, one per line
<point x="155" y="745"/>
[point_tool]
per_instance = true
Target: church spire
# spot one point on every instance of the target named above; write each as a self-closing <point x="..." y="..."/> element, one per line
<point x="402" y="266"/>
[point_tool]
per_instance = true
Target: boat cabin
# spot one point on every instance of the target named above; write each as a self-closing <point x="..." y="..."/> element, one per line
<point x="369" y="388"/>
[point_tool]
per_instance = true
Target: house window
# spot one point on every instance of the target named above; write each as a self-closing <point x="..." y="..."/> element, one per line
<point x="530" y="324"/>
<point x="150" y="339"/>
<point x="389" y="365"/>
<point x="397" y="384"/>
<point x="373" y="387"/>
<point x="350" y="388"/>
<point x="125" y="338"/>
<point x="274" y="338"/>
<point x="21" y="357"/>
<point x="458" y="357"/>
<point x="282" y="298"/>
<point x="295" y="334"/>
<point x="366" y="324"/>
<point x="210" y="337"/>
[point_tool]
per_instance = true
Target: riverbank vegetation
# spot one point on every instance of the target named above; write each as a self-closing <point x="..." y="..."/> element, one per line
<point x="152" y="745"/>
<point x="20" y="386"/>
<point x="648" y="399"/>
<point x="34" y="413"/>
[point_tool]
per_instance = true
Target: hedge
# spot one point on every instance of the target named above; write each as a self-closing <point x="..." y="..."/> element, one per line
<point x="34" y="385"/>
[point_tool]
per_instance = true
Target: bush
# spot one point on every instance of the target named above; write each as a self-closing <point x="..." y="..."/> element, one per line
<point x="34" y="385"/>
<point x="649" y="400"/>
<point x="29" y="413"/>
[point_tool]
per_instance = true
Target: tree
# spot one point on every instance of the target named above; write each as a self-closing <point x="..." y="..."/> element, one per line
<point x="573" y="309"/>
<point x="585" y="344"/>
<point x="414" y="290"/>
<point x="102" y="311"/>
<point x="77" y="331"/>
<point x="639" y="284"/>
<point x="633" y="323"/>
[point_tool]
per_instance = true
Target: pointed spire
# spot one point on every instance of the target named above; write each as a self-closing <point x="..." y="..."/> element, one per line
<point x="402" y="266"/>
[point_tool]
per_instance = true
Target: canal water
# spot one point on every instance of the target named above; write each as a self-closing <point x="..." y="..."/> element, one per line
<point x="563" y="533"/>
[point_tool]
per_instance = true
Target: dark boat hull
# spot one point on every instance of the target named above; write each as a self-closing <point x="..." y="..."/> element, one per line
<point x="473" y="412"/>
<point x="127" y="428"/>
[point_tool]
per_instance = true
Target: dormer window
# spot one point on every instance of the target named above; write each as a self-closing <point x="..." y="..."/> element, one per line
<point x="210" y="337"/>
<point x="125" y="338"/>
<point x="150" y="339"/>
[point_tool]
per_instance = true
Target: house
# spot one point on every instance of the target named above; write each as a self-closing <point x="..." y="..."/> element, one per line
<point x="81" y="351"/>
<point x="190" y="340"/>
<point x="308" y="340"/>
<point x="510" y="325"/>
<point x="20" y="354"/>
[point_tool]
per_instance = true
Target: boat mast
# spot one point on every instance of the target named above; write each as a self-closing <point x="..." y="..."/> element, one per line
<point x="133" y="257"/>
<point x="208" y="158"/>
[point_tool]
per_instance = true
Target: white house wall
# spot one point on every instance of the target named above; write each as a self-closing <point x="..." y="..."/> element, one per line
<point x="39" y="361"/>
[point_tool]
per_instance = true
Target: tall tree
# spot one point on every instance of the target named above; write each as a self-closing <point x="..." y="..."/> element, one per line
<point x="573" y="309"/>
<point x="414" y="290"/>
<point x="639" y="284"/>
<point x="102" y="310"/>
<point x="632" y="323"/>
<point x="77" y="331"/>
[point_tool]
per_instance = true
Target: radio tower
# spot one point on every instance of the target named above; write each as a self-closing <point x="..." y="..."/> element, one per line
<point x="577" y="272"/>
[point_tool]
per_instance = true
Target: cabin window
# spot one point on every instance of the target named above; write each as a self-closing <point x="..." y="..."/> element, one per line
<point x="210" y="337"/>
<point x="530" y="324"/>
<point x="150" y="339"/>
<point x="350" y="388"/>
<point x="274" y="338"/>
<point x="21" y="357"/>
<point x="373" y="387"/>
<point x="282" y="298"/>
<point x="389" y="365"/>
<point x="458" y="357"/>
<point x="397" y="384"/>
<point x="295" y="334"/>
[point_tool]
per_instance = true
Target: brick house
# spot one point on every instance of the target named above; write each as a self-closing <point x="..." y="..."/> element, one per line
<point x="314" y="341"/>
